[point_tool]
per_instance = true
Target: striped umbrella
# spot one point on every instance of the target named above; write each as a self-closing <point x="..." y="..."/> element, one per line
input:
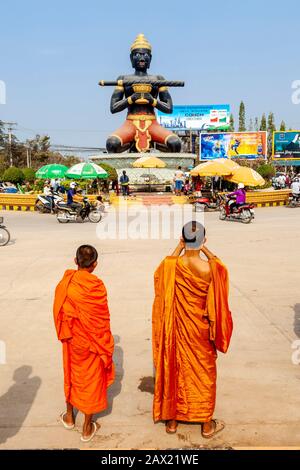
<point x="86" y="171"/>
<point x="51" y="171"/>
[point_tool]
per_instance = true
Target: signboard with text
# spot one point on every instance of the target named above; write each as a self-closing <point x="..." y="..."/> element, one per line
<point x="250" y="145"/>
<point x="286" y="145"/>
<point x="196" y="117"/>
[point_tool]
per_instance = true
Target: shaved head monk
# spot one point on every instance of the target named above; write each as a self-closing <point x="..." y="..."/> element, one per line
<point x="191" y="321"/>
<point x="82" y="324"/>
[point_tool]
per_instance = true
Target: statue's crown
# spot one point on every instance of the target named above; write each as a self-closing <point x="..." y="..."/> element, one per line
<point x="141" y="43"/>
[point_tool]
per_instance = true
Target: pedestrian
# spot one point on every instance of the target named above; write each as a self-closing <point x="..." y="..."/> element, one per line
<point x="100" y="206"/>
<point x="191" y="321"/>
<point x="124" y="180"/>
<point x="178" y="180"/>
<point x="82" y="322"/>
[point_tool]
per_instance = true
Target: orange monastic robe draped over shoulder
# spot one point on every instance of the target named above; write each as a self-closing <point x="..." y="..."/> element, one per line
<point x="191" y="320"/>
<point x="82" y="323"/>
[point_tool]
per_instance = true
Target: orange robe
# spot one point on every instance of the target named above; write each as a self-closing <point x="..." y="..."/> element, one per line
<point x="191" y="320"/>
<point x="82" y="323"/>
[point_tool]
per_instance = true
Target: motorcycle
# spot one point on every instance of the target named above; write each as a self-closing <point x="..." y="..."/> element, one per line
<point x="294" y="200"/>
<point x="66" y="213"/>
<point x="4" y="234"/>
<point x="207" y="204"/>
<point x="42" y="204"/>
<point x="243" y="213"/>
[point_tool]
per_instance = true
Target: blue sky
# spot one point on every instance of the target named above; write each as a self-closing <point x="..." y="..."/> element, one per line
<point x="53" y="55"/>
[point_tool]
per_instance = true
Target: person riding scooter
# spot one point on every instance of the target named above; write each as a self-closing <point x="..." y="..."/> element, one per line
<point x="72" y="192"/>
<point x="295" y="188"/>
<point x="239" y="197"/>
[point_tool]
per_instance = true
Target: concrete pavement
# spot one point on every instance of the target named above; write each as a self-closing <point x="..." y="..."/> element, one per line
<point x="258" y="384"/>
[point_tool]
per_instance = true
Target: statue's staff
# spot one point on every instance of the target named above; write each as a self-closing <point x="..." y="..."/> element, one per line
<point x="144" y="81"/>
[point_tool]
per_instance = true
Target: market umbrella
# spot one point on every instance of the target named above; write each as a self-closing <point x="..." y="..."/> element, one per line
<point x="149" y="162"/>
<point x="247" y="176"/>
<point x="86" y="171"/>
<point x="211" y="168"/>
<point x="51" y="171"/>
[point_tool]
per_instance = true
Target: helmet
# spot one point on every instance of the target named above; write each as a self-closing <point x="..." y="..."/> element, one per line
<point x="241" y="186"/>
<point x="73" y="185"/>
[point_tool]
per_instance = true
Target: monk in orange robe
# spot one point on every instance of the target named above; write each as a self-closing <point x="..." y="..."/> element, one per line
<point x="82" y="324"/>
<point x="191" y="321"/>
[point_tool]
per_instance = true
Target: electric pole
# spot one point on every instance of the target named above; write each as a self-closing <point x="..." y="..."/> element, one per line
<point x="10" y="128"/>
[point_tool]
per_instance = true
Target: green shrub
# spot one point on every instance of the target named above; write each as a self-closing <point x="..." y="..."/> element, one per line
<point x="13" y="175"/>
<point x="112" y="172"/>
<point x="29" y="174"/>
<point x="266" y="170"/>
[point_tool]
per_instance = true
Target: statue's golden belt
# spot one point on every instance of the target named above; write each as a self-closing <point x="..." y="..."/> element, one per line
<point x="141" y="117"/>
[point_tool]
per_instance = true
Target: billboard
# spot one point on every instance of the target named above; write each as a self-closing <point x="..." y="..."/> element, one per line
<point x="196" y="117"/>
<point x="286" y="145"/>
<point x="249" y="145"/>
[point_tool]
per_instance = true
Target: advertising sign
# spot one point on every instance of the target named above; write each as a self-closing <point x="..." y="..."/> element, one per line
<point x="286" y="145"/>
<point x="197" y="117"/>
<point x="250" y="145"/>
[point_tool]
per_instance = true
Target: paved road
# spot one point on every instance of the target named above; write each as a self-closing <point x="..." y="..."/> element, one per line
<point x="258" y="385"/>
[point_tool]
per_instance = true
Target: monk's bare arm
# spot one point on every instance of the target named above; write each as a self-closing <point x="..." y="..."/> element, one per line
<point x="179" y="249"/>
<point x="207" y="252"/>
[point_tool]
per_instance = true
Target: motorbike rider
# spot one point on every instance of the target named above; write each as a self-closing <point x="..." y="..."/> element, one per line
<point x="48" y="193"/>
<point x="295" y="188"/>
<point x="239" y="197"/>
<point x="72" y="192"/>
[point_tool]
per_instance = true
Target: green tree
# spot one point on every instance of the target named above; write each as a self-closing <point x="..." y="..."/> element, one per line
<point x="266" y="170"/>
<point x="112" y="172"/>
<point x="2" y="135"/>
<point x="263" y="123"/>
<point x="271" y="128"/>
<point x="242" y="117"/>
<point x="13" y="175"/>
<point x="231" y="123"/>
<point x="282" y="126"/>
<point x="29" y="174"/>
<point x="256" y="124"/>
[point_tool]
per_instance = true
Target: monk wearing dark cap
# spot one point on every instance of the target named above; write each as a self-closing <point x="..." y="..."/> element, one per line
<point x="191" y="321"/>
<point x="82" y="324"/>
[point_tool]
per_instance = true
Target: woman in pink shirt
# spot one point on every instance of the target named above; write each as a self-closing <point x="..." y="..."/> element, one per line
<point x="239" y="195"/>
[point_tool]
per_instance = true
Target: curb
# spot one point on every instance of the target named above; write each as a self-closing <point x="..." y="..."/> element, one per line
<point x="8" y="207"/>
<point x="270" y="204"/>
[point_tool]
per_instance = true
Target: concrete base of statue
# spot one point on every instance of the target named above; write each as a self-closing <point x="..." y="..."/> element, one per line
<point x="160" y="178"/>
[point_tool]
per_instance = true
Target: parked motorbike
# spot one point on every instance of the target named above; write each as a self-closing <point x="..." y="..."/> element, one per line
<point x="66" y="213"/>
<point x="42" y="204"/>
<point x="207" y="204"/>
<point x="244" y="213"/>
<point x="294" y="200"/>
<point x="4" y="234"/>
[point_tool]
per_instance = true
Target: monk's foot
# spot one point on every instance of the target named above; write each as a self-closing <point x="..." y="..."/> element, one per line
<point x="89" y="431"/>
<point x="171" y="426"/>
<point x="67" y="419"/>
<point x="211" y="428"/>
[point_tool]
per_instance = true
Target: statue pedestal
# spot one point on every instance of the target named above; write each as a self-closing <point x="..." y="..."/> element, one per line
<point x="160" y="178"/>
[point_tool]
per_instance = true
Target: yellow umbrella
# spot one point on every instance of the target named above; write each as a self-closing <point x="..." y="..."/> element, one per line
<point x="149" y="162"/>
<point x="246" y="175"/>
<point x="212" y="168"/>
